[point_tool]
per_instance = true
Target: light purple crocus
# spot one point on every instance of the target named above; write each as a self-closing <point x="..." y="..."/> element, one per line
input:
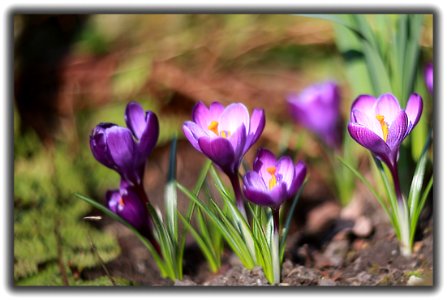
<point x="428" y="74"/>
<point x="272" y="180"/>
<point x="380" y="125"/>
<point x="318" y="109"/>
<point x="126" y="149"/>
<point x="224" y="135"/>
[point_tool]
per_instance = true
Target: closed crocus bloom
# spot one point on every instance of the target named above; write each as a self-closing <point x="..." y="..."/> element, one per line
<point x="318" y="109"/>
<point x="380" y="125"/>
<point x="126" y="203"/>
<point x="224" y="134"/>
<point x="126" y="149"/>
<point x="273" y="181"/>
<point x="428" y="74"/>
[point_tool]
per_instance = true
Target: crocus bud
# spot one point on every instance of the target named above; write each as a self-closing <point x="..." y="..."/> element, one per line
<point x="428" y="74"/>
<point x="126" y="149"/>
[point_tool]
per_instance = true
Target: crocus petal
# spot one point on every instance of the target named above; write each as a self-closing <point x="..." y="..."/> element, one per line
<point x="193" y="132"/>
<point x="220" y="151"/>
<point x="112" y="199"/>
<point x="365" y="104"/>
<point x="272" y="198"/>
<point x="98" y="145"/>
<point x="264" y="159"/>
<point x="397" y="131"/>
<point x="413" y="111"/>
<point x="149" y="136"/>
<point x="388" y="106"/>
<point x="429" y="77"/>
<point x="122" y="150"/>
<point x="133" y="209"/>
<point x="257" y="124"/>
<point x="233" y="117"/>
<point x="204" y="116"/>
<point x="368" y="121"/>
<point x="370" y="141"/>
<point x="286" y="170"/>
<point x="238" y="141"/>
<point x="135" y="119"/>
<point x="255" y="181"/>
<point x="298" y="179"/>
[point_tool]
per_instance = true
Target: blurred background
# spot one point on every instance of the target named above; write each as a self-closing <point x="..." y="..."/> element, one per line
<point x="74" y="71"/>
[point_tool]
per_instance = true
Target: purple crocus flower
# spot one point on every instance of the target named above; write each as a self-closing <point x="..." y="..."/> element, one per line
<point x="126" y="149"/>
<point x="224" y="135"/>
<point x="126" y="203"/>
<point x="380" y="125"/>
<point x="428" y="74"/>
<point x="318" y="109"/>
<point x="273" y="181"/>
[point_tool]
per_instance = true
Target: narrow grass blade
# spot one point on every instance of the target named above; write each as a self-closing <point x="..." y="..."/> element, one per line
<point x="115" y="217"/>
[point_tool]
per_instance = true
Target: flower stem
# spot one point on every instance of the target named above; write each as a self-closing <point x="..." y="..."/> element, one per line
<point x="238" y="194"/>
<point x="402" y="215"/>
<point x="275" y="247"/>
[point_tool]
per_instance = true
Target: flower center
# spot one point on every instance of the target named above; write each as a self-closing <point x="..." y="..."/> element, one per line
<point x="121" y="202"/>
<point x="382" y="122"/>
<point x="213" y="127"/>
<point x="272" y="181"/>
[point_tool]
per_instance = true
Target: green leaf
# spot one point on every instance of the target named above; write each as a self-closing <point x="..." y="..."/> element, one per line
<point x="171" y="193"/>
<point x="117" y="218"/>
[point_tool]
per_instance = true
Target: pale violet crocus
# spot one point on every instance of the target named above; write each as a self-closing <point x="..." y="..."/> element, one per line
<point x="381" y="125"/>
<point x="271" y="183"/>
<point x="224" y="135"/>
<point x="317" y="108"/>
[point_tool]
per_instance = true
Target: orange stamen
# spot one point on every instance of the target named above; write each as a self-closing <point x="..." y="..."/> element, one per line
<point x="272" y="181"/>
<point x="121" y="202"/>
<point x="381" y="120"/>
<point x="213" y="127"/>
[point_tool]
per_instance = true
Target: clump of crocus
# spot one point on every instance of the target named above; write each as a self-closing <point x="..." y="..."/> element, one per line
<point x="380" y="125"/>
<point x="271" y="183"/>
<point x="318" y="109"/>
<point x="224" y="135"/>
<point x="126" y="150"/>
<point x="428" y="74"/>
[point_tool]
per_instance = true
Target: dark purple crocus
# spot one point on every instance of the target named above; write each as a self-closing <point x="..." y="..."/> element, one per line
<point x="224" y="135"/>
<point x="272" y="180"/>
<point x="128" y="203"/>
<point x="318" y="109"/>
<point x="126" y="149"/>
<point x="428" y="74"/>
<point x="380" y="125"/>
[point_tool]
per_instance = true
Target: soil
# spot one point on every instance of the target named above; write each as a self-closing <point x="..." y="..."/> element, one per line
<point x="327" y="245"/>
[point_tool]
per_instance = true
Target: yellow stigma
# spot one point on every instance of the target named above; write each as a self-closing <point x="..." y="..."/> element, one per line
<point x="272" y="181"/>
<point x="213" y="127"/>
<point x="121" y="202"/>
<point x="223" y="134"/>
<point x="381" y="120"/>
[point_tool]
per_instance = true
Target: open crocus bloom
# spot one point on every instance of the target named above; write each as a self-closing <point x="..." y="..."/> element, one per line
<point x="126" y="204"/>
<point x="429" y="77"/>
<point x="126" y="149"/>
<point x="224" y="134"/>
<point x="273" y="181"/>
<point x="380" y="125"/>
<point x="318" y="109"/>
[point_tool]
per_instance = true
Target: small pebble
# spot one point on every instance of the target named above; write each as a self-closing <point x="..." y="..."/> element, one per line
<point x="414" y="280"/>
